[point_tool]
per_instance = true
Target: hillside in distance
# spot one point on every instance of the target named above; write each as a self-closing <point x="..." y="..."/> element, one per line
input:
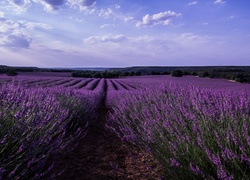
<point x="143" y="69"/>
<point x="149" y="69"/>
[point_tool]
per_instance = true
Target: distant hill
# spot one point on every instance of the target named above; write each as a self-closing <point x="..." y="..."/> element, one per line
<point x="143" y="69"/>
<point x="149" y="69"/>
<point x="236" y="73"/>
<point x="90" y="69"/>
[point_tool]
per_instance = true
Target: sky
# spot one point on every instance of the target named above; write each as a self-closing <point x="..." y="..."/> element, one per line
<point x="122" y="33"/>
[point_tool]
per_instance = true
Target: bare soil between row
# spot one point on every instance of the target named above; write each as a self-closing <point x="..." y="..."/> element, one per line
<point x="102" y="155"/>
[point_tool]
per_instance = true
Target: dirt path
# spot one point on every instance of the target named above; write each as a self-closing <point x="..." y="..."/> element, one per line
<point x="101" y="155"/>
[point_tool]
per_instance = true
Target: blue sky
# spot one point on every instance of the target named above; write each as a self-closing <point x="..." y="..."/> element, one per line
<point x="119" y="33"/>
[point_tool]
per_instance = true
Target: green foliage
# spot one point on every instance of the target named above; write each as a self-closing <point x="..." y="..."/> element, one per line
<point x="165" y="73"/>
<point x="155" y="73"/>
<point x="137" y="73"/>
<point x="241" y="77"/>
<point x="194" y="73"/>
<point x="203" y="74"/>
<point x="11" y="72"/>
<point x="125" y="73"/>
<point x="238" y="75"/>
<point x="104" y="74"/>
<point x="177" y="73"/>
<point x="132" y="73"/>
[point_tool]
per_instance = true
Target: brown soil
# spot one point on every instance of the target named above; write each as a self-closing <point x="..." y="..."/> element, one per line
<point x="101" y="155"/>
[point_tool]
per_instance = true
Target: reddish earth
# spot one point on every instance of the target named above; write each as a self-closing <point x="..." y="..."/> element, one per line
<point x="101" y="155"/>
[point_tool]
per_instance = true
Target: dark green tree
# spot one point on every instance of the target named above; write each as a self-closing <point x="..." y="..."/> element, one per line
<point x="177" y="73"/>
<point x="11" y="72"/>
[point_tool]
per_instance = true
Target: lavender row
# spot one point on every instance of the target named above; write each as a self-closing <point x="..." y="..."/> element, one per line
<point x="92" y="84"/>
<point x="195" y="133"/>
<point x="110" y="86"/>
<point x="38" y="123"/>
<point x="95" y="96"/>
<point x="120" y="85"/>
<point x="126" y="86"/>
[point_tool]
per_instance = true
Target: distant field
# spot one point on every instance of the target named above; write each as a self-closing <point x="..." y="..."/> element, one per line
<point x="137" y="81"/>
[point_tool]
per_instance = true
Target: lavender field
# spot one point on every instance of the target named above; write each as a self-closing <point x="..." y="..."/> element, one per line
<point x="196" y="128"/>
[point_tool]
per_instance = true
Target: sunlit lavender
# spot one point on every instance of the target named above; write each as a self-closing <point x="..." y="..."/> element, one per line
<point x="194" y="132"/>
<point x="194" y="127"/>
<point x="38" y="123"/>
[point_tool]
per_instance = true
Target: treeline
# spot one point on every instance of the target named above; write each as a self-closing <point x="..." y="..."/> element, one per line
<point x="113" y="73"/>
<point x="13" y="71"/>
<point x="146" y="70"/>
<point x="55" y="70"/>
<point x="103" y="74"/>
<point x="238" y="75"/>
<point x="8" y="71"/>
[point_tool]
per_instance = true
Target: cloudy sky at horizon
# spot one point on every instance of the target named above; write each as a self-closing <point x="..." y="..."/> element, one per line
<point x="118" y="33"/>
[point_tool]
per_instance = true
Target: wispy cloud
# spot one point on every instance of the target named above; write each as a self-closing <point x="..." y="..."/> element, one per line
<point x="220" y="2"/>
<point x="1" y="14"/>
<point x="22" y="3"/>
<point x="81" y="4"/>
<point x="34" y="25"/>
<point x="107" y="25"/>
<point x="106" y="38"/>
<point x="117" y="6"/>
<point x="192" y="3"/>
<point x="14" y="34"/>
<point x="105" y="13"/>
<point x="162" y="18"/>
<point x="128" y="18"/>
<point x="53" y="5"/>
<point x="50" y="5"/>
<point x="18" y="41"/>
<point x="75" y="19"/>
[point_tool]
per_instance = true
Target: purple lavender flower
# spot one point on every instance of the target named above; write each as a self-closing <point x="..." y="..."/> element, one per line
<point x="195" y="169"/>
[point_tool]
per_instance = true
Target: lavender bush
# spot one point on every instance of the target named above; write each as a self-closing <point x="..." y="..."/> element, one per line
<point x="35" y="125"/>
<point x="195" y="133"/>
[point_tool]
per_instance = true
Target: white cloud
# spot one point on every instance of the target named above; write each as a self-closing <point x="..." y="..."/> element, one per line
<point x="33" y="25"/>
<point x="220" y="2"/>
<point x="192" y="3"/>
<point x="147" y="48"/>
<point x="106" y="13"/>
<point x="1" y="14"/>
<point x="107" y="38"/>
<point x="18" y="41"/>
<point x="9" y="26"/>
<point x="14" y="34"/>
<point x="23" y="3"/>
<point x="128" y="18"/>
<point x="75" y="19"/>
<point x="17" y="6"/>
<point x="116" y="38"/>
<point x="162" y="18"/>
<point x="107" y="25"/>
<point x="117" y="6"/>
<point x="81" y="4"/>
<point x="52" y="5"/>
